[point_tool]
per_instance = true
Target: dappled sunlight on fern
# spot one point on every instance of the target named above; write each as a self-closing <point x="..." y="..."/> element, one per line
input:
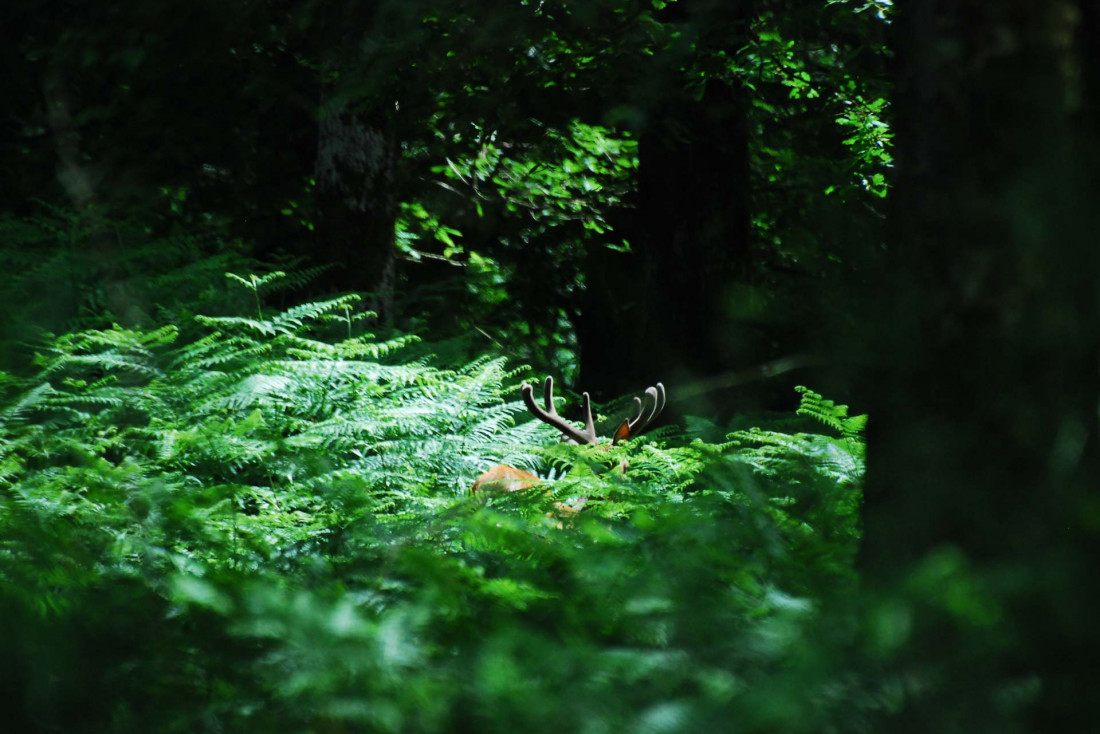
<point x="290" y="484"/>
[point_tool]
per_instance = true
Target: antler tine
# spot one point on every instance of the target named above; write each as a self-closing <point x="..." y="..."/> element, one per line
<point x="589" y="425"/>
<point x="550" y="414"/>
<point x="548" y="396"/>
<point x="655" y="401"/>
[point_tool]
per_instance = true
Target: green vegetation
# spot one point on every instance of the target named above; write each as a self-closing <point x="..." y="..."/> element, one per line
<point x="267" y="526"/>
<point x="273" y="273"/>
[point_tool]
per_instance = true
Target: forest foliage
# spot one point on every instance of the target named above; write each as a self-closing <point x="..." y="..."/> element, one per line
<point x="272" y="274"/>
<point x="267" y="525"/>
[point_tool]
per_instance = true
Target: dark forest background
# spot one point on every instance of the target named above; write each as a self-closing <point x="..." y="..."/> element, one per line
<point x="273" y="271"/>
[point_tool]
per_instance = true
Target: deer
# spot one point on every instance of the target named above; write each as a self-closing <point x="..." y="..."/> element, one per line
<point x="504" y="478"/>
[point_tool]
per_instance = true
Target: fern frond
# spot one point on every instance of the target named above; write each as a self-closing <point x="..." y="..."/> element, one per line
<point x="813" y="405"/>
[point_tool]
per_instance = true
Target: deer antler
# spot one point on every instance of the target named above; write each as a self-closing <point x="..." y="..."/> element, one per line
<point x="655" y="401"/>
<point x="551" y="417"/>
<point x="643" y="416"/>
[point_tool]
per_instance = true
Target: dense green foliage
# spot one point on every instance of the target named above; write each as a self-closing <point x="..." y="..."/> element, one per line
<point x="243" y="503"/>
<point x="266" y="527"/>
<point x="511" y="139"/>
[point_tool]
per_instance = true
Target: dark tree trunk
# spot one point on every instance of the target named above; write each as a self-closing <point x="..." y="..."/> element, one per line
<point x="357" y="156"/>
<point x="285" y="158"/>
<point x="659" y="311"/>
<point x="356" y="205"/>
<point x="982" y="454"/>
<point x="78" y="178"/>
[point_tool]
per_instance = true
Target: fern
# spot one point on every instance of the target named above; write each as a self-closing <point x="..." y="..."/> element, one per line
<point x="829" y="413"/>
<point x="148" y="279"/>
<point x="293" y="509"/>
<point x="840" y="458"/>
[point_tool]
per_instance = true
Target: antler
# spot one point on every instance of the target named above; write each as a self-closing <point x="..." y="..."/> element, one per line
<point x="654" y="404"/>
<point x="551" y="417"/>
<point x="644" y="413"/>
<point x="655" y="401"/>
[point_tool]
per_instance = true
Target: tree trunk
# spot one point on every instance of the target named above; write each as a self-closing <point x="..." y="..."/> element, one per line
<point x="659" y="311"/>
<point x="357" y="156"/>
<point x="356" y="204"/>
<point x="982" y="453"/>
<point x="78" y="178"/>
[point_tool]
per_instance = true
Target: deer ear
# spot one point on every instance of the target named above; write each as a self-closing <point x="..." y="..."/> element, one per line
<point x="622" y="433"/>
